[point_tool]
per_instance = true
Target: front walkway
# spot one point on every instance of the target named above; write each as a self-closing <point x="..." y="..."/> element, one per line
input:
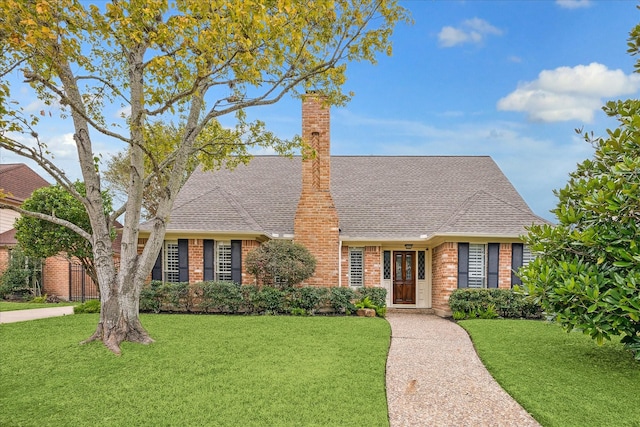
<point x="36" y="313"/>
<point x="435" y="378"/>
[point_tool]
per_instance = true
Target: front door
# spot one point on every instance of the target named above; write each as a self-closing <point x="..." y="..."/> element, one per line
<point x="404" y="277"/>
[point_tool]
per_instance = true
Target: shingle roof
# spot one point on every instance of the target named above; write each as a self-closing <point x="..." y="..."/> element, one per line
<point x="19" y="180"/>
<point x="377" y="197"/>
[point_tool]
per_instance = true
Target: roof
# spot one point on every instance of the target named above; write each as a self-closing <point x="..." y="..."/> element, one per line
<point x="377" y="198"/>
<point x="19" y="181"/>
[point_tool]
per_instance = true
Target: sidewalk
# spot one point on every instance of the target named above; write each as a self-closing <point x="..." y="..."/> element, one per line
<point x="435" y="378"/>
<point x="36" y="313"/>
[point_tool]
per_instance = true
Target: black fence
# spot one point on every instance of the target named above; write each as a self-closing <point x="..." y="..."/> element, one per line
<point x="81" y="286"/>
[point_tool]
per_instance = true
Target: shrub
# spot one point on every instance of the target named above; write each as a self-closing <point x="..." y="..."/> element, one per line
<point x="18" y="277"/>
<point x="307" y="298"/>
<point x="270" y="300"/>
<point x="39" y="300"/>
<point x="487" y="302"/>
<point x="280" y="263"/>
<point x="91" y="306"/>
<point x="152" y="297"/>
<point x="178" y="295"/>
<point x="377" y="296"/>
<point x="220" y="297"/>
<point x="341" y="299"/>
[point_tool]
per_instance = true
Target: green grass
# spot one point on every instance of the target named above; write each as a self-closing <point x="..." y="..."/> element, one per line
<point x="562" y="379"/>
<point x="202" y="370"/>
<point x="11" y="306"/>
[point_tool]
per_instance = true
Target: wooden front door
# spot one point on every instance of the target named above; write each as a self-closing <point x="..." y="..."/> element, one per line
<point x="404" y="277"/>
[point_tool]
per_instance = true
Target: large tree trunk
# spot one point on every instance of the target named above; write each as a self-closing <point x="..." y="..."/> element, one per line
<point x="120" y="321"/>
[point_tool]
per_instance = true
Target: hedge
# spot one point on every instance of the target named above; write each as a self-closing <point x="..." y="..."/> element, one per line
<point x="231" y="298"/>
<point x="490" y="303"/>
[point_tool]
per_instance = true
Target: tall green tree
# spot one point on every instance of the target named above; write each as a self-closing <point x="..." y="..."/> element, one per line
<point x="587" y="272"/>
<point x="41" y="238"/>
<point x="188" y="62"/>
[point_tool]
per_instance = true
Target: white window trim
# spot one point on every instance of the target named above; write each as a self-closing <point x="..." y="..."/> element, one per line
<point x="356" y="279"/>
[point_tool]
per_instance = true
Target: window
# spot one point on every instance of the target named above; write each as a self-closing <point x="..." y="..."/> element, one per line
<point x="527" y="256"/>
<point x="223" y="264"/>
<point x="477" y="265"/>
<point x="387" y="265"/>
<point x="421" y="265"/>
<point x="356" y="267"/>
<point x="171" y="266"/>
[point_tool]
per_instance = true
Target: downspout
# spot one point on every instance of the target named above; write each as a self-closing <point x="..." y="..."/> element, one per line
<point x="339" y="263"/>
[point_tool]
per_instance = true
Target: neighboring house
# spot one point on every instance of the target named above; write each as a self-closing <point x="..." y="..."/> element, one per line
<point x="420" y="226"/>
<point x="59" y="276"/>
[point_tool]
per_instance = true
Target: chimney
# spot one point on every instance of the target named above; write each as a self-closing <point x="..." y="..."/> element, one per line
<point x="316" y="220"/>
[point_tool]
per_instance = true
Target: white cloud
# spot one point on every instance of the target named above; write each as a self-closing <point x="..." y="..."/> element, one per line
<point x="473" y="30"/>
<point x="569" y="93"/>
<point x="573" y="4"/>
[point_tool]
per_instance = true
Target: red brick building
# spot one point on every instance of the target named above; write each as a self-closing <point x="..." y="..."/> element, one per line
<point x="418" y="226"/>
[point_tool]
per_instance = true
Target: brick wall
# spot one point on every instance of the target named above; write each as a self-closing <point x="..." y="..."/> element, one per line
<point x="196" y="260"/>
<point x="445" y="276"/>
<point x="504" y="267"/>
<point x="316" y="220"/>
<point x="4" y="259"/>
<point x="372" y="266"/>
<point x="248" y="246"/>
<point x="56" y="277"/>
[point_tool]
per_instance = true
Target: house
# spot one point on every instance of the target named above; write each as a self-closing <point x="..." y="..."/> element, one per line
<point x="419" y="226"/>
<point x="59" y="275"/>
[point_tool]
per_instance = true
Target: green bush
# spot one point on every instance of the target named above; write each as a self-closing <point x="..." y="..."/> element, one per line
<point x="492" y="303"/>
<point x="377" y="296"/>
<point x="220" y="297"/>
<point x="341" y="300"/>
<point x="280" y="263"/>
<point x="307" y="298"/>
<point x="91" y="306"/>
<point x="152" y="297"/>
<point x="231" y="298"/>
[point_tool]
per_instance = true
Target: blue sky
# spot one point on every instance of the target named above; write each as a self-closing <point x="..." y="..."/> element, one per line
<point x="509" y="79"/>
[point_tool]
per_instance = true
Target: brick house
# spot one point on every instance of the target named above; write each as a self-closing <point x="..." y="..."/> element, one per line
<point x="418" y="226"/>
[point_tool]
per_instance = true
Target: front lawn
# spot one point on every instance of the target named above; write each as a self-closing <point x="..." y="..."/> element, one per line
<point x="562" y="379"/>
<point x="202" y="370"/>
<point x="11" y="306"/>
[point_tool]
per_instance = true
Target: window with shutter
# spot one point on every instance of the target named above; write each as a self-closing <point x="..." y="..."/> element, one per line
<point x="223" y="264"/>
<point x="477" y="265"/>
<point x="356" y="267"/>
<point x="171" y="263"/>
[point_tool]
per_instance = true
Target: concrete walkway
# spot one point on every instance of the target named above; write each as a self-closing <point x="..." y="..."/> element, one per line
<point x="36" y="313"/>
<point x="435" y="378"/>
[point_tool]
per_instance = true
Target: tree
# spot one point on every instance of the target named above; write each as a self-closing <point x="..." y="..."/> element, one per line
<point x="189" y="63"/>
<point x="41" y="238"/>
<point x="587" y="271"/>
<point x="280" y="263"/>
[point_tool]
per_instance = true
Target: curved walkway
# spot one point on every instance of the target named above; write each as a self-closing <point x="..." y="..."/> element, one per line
<point x="435" y="378"/>
<point x="36" y="313"/>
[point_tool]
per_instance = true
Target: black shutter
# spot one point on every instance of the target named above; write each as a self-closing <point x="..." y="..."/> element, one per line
<point x="183" y="260"/>
<point x="236" y="261"/>
<point x="209" y="259"/>
<point x="463" y="265"/>
<point x="156" y="273"/>
<point x="493" y="261"/>
<point x="516" y="263"/>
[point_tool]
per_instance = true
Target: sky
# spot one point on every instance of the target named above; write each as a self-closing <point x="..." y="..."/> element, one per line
<point x="508" y="79"/>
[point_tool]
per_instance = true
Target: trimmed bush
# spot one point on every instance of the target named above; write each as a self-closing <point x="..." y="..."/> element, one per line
<point x="231" y="298"/>
<point x="492" y="303"/>
<point x="280" y="263"/>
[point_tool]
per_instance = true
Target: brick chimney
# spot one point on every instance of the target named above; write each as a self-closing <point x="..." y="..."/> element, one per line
<point x="316" y="220"/>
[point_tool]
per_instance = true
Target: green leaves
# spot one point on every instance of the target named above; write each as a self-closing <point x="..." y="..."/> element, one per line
<point x="588" y="268"/>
